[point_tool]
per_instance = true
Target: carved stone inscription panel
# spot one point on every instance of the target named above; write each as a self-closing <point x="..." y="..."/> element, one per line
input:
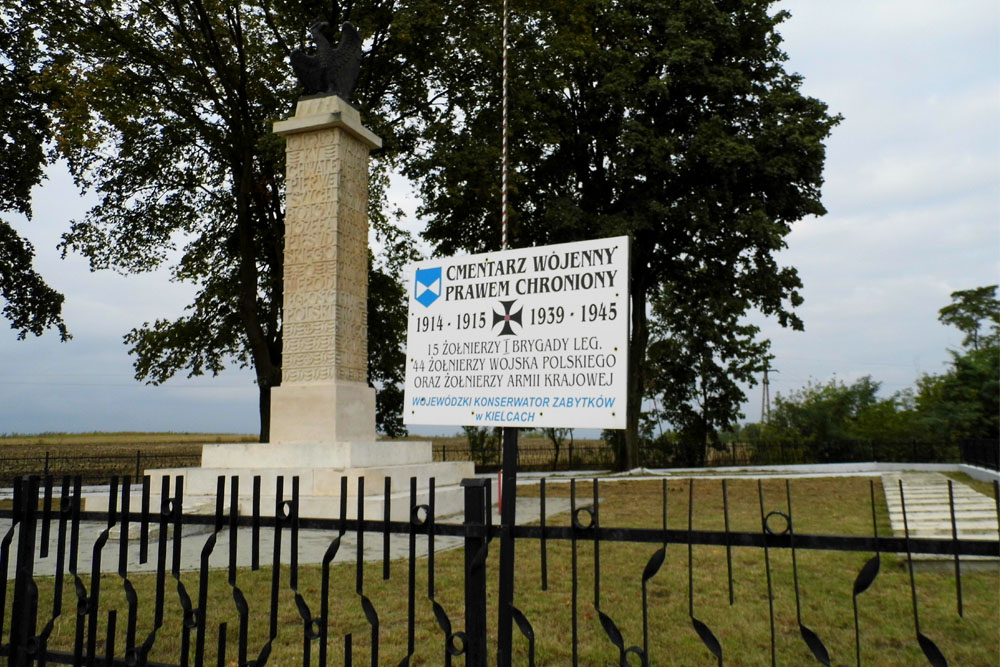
<point x="326" y="258"/>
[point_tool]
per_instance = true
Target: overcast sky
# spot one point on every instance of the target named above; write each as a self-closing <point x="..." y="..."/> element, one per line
<point x="912" y="189"/>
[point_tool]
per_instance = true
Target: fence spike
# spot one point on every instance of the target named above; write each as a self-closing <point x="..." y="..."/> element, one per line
<point x="930" y="649"/>
<point x="430" y="537"/>
<point x="706" y="635"/>
<point x="109" y="645"/>
<point x="144" y="522"/>
<point x="729" y="544"/>
<point x="866" y="576"/>
<point x="43" y="547"/>
<point x="220" y="650"/>
<point x="94" y="600"/>
<point x="811" y="639"/>
<point x="412" y="570"/>
<point x="386" y="532"/>
<point x="255" y="526"/>
<point x="206" y="553"/>
<point x="543" y="545"/>
<point x="124" y="525"/>
<point x="954" y="537"/>
<point x="595" y="524"/>
<point x="366" y="605"/>
<point x="767" y="569"/>
<point x="573" y="570"/>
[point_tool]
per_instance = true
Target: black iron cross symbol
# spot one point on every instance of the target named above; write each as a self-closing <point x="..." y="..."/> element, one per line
<point x="507" y="317"/>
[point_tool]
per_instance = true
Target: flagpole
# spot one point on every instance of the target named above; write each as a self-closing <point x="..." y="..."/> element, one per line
<point x="503" y="160"/>
<point x="508" y="490"/>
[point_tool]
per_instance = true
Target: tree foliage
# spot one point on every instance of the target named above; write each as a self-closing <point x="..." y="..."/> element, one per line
<point x="673" y="122"/>
<point x="961" y="403"/>
<point x="824" y="416"/>
<point x="976" y="313"/>
<point x="30" y="304"/>
<point x="558" y="436"/>
<point x="964" y="402"/>
<point x="700" y="352"/>
<point x="164" y="110"/>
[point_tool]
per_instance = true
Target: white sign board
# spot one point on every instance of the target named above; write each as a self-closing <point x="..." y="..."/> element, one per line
<point x="534" y="337"/>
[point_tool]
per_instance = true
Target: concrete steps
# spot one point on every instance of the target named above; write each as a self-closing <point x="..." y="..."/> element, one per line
<point x="929" y="512"/>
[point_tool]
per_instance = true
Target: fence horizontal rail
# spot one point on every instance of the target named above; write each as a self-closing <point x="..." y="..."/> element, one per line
<point x="93" y="468"/>
<point x="917" y="545"/>
<point x="64" y="658"/>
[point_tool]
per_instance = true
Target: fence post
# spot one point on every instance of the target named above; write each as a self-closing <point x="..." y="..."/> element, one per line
<point x="138" y="455"/>
<point x="508" y="519"/>
<point x="46" y="464"/>
<point x="24" y="610"/>
<point x="475" y="571"/>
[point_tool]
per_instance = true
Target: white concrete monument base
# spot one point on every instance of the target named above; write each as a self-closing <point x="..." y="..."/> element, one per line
<point x="320" y="468"/>
<point x="339" y="411"/>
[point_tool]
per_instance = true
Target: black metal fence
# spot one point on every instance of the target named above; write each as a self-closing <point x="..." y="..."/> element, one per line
<point x="92" y="469"/>
<point x="578" y="456"/>
<point x="782" y="452"/>
<point x="666" y="454"/>
<point x="280" y="614"/>
<point x="983" y="453"/>
<point x="581" y="456"/>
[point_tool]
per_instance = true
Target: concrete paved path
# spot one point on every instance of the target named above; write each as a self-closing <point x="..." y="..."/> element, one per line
<point x="928" y="510"/>
<point x="313" y="544"/>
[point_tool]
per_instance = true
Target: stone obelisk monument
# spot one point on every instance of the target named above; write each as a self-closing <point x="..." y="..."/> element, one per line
<point x="324" y="394"/>
<point x="323" y="414"/>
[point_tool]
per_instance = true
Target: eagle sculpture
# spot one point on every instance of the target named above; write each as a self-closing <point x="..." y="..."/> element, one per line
<point x="331" y="71"/>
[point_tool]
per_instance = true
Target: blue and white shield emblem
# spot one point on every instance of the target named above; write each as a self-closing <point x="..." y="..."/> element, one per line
<point x="428" y="285"/>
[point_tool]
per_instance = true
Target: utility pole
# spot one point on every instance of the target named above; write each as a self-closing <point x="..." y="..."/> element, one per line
<point x="765" y="400"/>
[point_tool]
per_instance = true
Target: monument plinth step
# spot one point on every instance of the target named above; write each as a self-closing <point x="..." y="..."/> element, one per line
<point x="448" y="499"/>
<point x="319" y="484"/>
<point x="324" y="482"/>
<point x="256" y="456"/>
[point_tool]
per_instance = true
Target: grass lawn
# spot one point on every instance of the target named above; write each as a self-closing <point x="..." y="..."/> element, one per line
<point x="825" y="579"/>
<point x="988" y="489"/>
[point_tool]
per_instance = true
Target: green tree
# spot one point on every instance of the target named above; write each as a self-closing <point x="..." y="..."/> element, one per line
<point x="964" y="402"/>
<point x="823" y="417"/>
<point x="698" y="354"/>
<point x="972" y="311"/>
<point x="484" y="444"/>
<point x="558" y="436"/>
<point x="30" y="304"/>
<point x="890" y="420"/>
<point x="673" y="122"/>
<point x="164" y="110"/>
